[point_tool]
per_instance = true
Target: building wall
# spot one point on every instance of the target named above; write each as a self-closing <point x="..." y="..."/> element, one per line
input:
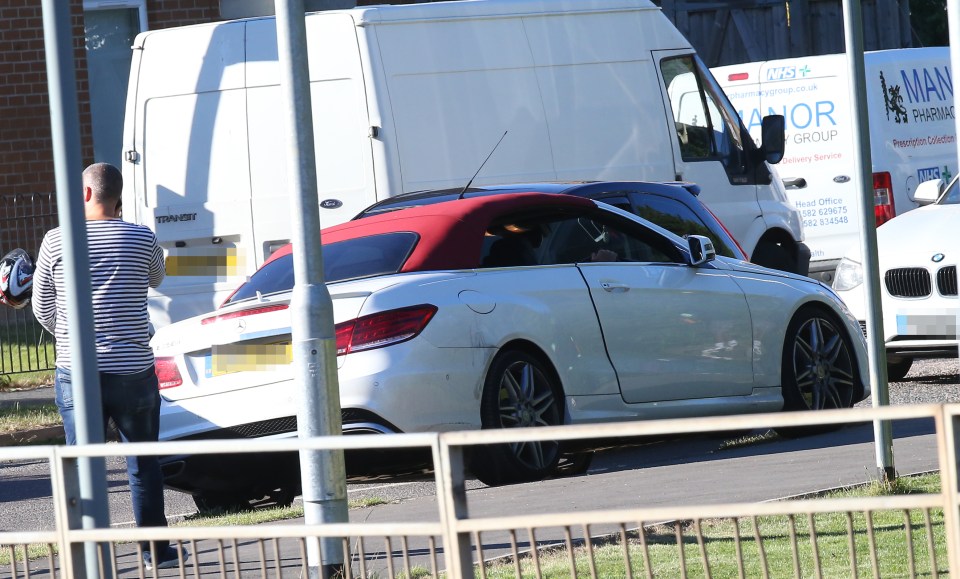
<point x="170" y="13"/>
<point x="26" y="149"/>
<point x="26" y="154"/>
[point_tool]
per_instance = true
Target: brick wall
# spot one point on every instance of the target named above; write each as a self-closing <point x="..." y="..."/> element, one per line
<point x="26" y="156"/>
<point x="170" y="13"/>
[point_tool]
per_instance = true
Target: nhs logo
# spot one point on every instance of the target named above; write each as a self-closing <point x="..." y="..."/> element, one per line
<point x="782" y="73"/>
<point x="928" y="174"/>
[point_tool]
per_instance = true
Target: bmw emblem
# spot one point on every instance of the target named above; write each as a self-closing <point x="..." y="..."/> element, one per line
<point x="937" y="257"/>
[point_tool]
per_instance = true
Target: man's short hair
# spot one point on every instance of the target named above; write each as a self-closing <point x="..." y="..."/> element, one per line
<point x="105" y="181"/>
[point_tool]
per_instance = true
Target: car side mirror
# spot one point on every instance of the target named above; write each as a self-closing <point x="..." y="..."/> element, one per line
<point x="701" y="249"/>
<point x="773" y="138"/>
<point x="928" y="192"/>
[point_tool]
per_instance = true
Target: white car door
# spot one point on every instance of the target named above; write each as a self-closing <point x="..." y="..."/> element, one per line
<point x="672" y="331"/>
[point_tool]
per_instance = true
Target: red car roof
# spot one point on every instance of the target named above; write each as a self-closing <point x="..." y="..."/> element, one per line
<point x="451" y="233"/>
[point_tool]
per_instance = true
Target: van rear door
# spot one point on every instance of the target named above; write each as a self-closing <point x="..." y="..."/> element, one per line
<point x="341" y="128"/>
<point x="191" y="164"/>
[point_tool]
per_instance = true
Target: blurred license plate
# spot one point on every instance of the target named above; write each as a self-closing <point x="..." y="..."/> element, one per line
<point x="233" y="358"/>
<point x="928" y="325"/>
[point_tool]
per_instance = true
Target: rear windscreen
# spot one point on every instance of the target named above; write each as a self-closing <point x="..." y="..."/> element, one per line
<point x="350" y="259"/>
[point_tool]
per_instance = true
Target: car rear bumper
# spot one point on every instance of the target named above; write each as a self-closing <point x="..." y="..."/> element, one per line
<point x="260" y="473"/>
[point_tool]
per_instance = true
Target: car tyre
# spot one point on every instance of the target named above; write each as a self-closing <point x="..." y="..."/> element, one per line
<point x="898" y="368"/>
<point x="519" y="391"/>
<point x="819" y="370"/>
<point x="221" y="502"/>
<point x="573" y="464"/>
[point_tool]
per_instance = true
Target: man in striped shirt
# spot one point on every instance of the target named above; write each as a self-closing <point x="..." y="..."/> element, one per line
<point x="125" y="259"/>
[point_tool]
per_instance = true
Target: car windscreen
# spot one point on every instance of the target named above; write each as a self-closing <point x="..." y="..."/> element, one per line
<point x="349" y="259"/>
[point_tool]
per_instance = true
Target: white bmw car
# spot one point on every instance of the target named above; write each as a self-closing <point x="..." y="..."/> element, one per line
<point x="918" y="255"/>
<point x="505" y="311"/>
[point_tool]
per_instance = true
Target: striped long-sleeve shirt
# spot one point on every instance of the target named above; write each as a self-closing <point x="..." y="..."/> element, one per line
<point x="125" y="259"/>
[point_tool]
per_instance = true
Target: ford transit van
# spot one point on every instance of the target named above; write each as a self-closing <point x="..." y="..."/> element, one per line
<point x="415" y="97"/>
<point x="912" y="135"/>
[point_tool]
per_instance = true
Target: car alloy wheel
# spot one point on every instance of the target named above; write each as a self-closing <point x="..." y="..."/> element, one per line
<point x="519" y="392"/>
<point x="819" y="371"/>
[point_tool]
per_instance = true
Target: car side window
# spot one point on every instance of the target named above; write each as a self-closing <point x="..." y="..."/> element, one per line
<point x="598" y="239"/>
<point x="521" y="241"/>
<point x="677" y="218"/>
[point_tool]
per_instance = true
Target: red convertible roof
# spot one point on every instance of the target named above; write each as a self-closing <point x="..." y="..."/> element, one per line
<point x="451" y="233"/>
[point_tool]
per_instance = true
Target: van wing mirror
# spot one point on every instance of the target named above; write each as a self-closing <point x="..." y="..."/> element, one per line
<point x="928" y="192"/>
<point x="701" y="249"/>
<point x="773" y="138"/>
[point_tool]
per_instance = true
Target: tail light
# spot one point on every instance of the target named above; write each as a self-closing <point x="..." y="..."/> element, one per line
<point x="382" y="329"/>
<point x="883" y="208"/>
<point x="168" y="375"/>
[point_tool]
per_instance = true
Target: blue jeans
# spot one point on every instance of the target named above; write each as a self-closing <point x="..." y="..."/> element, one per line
<point x="133" y="401"/>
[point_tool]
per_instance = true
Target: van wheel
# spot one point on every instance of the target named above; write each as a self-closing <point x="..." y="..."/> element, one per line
<point x="774" y="256"/>
<point x="519" y="391"/>
<point x="898" y="368"/>
<point x="818" y="369"/>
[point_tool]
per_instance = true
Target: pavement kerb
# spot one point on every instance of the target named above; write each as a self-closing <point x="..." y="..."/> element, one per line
<point x="27" y="397"/>
<point x="43" y="435"/>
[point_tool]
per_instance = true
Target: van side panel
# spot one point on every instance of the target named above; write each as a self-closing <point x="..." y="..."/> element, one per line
<point x="451" y="106"/>
<point x="192" y="185"/>
<point x="910" y="118"/>
<point x="912" y="126"/>
<point x="601" y="95"/>
<point x="343" y="158"/>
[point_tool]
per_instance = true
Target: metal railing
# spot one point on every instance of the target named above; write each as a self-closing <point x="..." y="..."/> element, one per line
<point x="24" y="346"/>
<point x="728" y="539"/>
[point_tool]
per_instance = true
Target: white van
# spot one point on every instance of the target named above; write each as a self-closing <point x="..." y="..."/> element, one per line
<point x="414" y="97"/>
<point x="912" y="135"/>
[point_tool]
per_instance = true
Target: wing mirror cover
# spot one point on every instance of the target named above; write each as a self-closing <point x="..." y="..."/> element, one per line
<point x="773" y="138"/>
<point x="928" y="192"/>
<point x="701" y="249"/>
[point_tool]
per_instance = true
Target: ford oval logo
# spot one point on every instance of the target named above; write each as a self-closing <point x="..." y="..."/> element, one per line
<point x="937" y="257"/>
<point x="841" y="179"/>
<point x="331" y="204"/>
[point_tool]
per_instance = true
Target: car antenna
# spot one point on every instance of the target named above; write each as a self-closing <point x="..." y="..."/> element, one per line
<point x="467" y="186"/>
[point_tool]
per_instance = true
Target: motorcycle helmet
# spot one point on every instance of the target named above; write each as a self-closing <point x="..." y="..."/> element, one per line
<point x="16" y="278"/>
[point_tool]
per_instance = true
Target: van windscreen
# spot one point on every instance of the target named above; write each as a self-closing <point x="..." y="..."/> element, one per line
<point x="349" y="259"/>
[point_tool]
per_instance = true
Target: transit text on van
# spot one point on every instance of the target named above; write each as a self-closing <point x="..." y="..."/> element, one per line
<point x="175" y="218"/>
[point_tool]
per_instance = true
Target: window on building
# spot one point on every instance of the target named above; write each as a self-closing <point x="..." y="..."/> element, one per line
<point x="109" y="29"/>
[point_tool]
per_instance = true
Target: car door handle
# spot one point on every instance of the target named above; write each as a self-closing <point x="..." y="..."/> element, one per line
<point x="614" y="287"/>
